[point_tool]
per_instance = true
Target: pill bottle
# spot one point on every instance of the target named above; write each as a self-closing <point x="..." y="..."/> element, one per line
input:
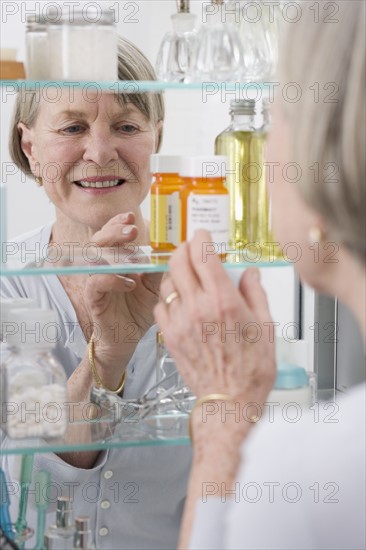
<point x="205" y="199"/>
<point x="165" y="224"/>
<point x="33" y="382"/>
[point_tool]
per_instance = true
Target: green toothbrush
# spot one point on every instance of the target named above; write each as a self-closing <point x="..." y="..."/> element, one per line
<point x="42" y="482"/>
<point x="25" y="481"/>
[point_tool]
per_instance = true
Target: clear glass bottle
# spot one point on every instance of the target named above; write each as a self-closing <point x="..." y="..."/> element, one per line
<point x="36" y="64"/>
<point x="175" y="60"/>
<point x="165" y="223"/>
<point x="244" y="143"/>
<point x="219" y="54"/>
<point x="61" y="536"/>
<point x="204" y="197"/>
<point x="83" y="538"/>
<point x="84" y="46"/>
<point x="259" y="33"/>
<point x="33" y="382"/>
<point x="167" y="375"/>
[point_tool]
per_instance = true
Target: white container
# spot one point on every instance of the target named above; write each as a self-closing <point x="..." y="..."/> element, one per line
<point x="36" y="65"/>
<point x="84" y="46"/>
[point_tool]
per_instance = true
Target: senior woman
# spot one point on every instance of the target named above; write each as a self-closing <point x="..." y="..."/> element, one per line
<point x="281" y="486"/>
<point x="90" y="153"/>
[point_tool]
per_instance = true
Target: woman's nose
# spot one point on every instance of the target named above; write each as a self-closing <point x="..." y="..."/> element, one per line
<point x="100" y="148"/>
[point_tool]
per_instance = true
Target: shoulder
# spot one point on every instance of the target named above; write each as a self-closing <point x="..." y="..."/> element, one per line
<point x="40" y="235"/>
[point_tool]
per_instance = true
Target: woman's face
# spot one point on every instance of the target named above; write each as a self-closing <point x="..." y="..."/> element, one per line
<point x="293" y="220"/>
<point x="92" y="155"/>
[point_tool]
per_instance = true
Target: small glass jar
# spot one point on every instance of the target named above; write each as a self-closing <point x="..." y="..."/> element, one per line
<point x="36" y="64"/>
<point x="33" y="382"/>
<point x="83" y="46"/>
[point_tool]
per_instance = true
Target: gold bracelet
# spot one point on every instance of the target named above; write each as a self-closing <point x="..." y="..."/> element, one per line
<point x="209" y="399"/>
<point x="96" y="376"/>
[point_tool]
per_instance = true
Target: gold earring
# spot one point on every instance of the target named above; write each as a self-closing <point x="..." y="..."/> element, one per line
<point x="315" y="235"/>
<point x="39" y="181"/>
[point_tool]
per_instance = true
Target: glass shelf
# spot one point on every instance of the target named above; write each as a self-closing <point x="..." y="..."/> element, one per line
<point x="158" y="429"/>
<point x="165" y="429"/>
<point x="129" y="259"/>
<point x="249" y="90"/>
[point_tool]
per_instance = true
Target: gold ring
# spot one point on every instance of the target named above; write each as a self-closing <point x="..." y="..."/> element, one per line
<point x="171" y="297"/>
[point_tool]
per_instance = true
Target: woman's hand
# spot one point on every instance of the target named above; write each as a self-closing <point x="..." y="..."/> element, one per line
<point x="120" y="307"/>
<point x="218" y="335"/>
<point x="220" y="339"/>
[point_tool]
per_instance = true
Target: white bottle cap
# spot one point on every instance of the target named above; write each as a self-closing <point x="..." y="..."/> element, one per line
<point x="164" y="164"/>
<point x="33" y="327"/>
<point x="210" y="166"/>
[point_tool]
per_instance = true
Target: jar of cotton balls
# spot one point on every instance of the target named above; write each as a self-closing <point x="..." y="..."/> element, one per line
<point x="33" y="382"/>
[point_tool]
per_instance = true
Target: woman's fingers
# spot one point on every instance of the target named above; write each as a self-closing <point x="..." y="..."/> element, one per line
<point x="99" y="285"/>
<point x="255" y="295"/>
<point x="182" y="277"/>
<point x="115" y="234"/>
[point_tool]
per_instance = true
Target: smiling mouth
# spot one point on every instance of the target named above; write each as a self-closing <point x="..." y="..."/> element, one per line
<point x="100" y="184"/>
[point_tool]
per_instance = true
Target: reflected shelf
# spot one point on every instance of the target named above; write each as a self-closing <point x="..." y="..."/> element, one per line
<point x="249" y="90"/>
<point x="168" y="428"/>
<point x="164" y="429"/>
<point x="129" y="259"/>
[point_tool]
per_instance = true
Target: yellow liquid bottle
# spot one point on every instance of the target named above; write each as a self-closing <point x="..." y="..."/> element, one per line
<point x="165" y="222"/>
<point x="244" y="143"/>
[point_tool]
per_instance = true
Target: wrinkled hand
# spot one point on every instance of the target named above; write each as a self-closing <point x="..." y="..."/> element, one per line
<point x="121" y="307"/>
<point x="197" y="326"/>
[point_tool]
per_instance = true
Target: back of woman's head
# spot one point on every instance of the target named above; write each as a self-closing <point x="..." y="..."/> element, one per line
<point x="326" y="58"/>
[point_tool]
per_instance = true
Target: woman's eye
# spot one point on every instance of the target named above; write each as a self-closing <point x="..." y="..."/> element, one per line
<point x="74" y="129"/>
<point x="128" y="128"/>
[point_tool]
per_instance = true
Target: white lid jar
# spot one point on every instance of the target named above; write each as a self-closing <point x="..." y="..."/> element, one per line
<point x="83" y="45"/>
<point x="33" y="382"/>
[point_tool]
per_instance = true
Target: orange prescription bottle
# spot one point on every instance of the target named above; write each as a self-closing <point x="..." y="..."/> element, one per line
<point x="205" y="199"/>
<point x="165" y="224"/>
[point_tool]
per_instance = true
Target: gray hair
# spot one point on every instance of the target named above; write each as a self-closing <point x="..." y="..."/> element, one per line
<point x="331" y="130"/>
<point x="132" y="65"/>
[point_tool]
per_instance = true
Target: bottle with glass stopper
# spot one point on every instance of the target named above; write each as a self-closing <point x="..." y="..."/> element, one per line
<point x="219" y="54"/>
<point x="176" y="54"/>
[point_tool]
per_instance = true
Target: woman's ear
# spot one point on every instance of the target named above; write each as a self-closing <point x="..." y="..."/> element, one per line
<point x="26" y="143"/>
